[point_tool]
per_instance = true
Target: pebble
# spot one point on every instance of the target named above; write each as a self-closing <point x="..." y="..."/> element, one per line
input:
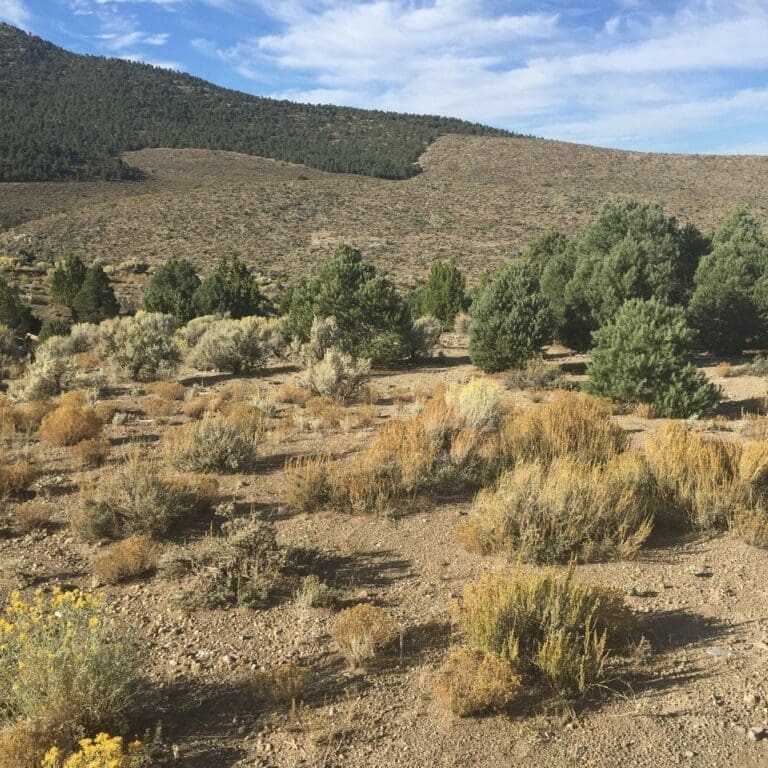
<point x="757" y="734"/>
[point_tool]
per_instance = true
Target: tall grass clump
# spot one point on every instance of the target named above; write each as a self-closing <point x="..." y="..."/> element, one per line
<point x="69" y="425"/>
<point x="64" y="664"/>
<point x="551" y="630"/>
<point x="564" y="510"/>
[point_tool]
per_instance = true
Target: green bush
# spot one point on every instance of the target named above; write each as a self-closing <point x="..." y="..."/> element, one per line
<point x="14" y="313"/>
<point x="511" y="320"/>
<point x="443" y="295"/>
<point x="231" y="345"/>
<point x="642" y="357"/>
<point x="144" y="345"/>
<point x="372" y="319"/>
<point x="53" y="327"/>
<point x="95" y="301"/>
<point x="230" y="289"/>
<point x="171" y="290"/>
<point x="67" y="279"/>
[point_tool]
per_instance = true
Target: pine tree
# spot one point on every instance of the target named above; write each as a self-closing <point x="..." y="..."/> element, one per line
<point x="95" y="301"/>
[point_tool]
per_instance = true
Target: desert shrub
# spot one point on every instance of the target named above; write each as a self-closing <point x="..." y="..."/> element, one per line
<point x="461" y="323"/>
<point x="630" y="250"/>
<point x="511" y="320"/>
<point x="156" y="407"/>
<point x="242" y="565"/>
<point x="53" y="327"/>
<point x="642" y="357"/>
<point x="323" y="335"/>
<point x="144" y="345"/>
<point x="697" y="477"/>
<point x="22" y="745"/>
<point x="443" y="295"/>
<point x="314" y="593"/>
<point x="69" y="424"/>
<point x="126" y="559"/>
<point x="171" y="290"/>
<point x="64" y="662"/>
<point x="550" y="629"/>
<point x="167" y="390"/>
<point x="28" y="416"/>
<point x="567" y="510"/>
<point x="15" y="476"/>
<point x="306" y="479"/>
<point x="213" y="443"/>
<point x="373" y="321"/>
<point x="337" y="375"/>
<point x="230" y="289"/>
<point x="194" y="407"/>
<point x="191" y="333"/>
<point x="279" y="685"/>
<point x="536" y="374"/>
<point x="137" y="497"/>
<point x="569" y="424"/>
<point x="362" y="631"/>
<point x="14" y="313"/>
<point x="425" y="333"/>
<point x="48" y="376"/>
<point x="91" y="453"/>
<point x="95" y="300"/>
<point x="103" y="751"/>
<point x="33" y="516"/>
<point x="288" y="392"/>
<point x="230" y="345"/>
<point x="477" y="403"/>
<point x="471" y="683"/>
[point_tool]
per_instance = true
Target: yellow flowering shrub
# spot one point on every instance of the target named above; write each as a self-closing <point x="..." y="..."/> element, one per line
<point x="104" y="751"/>
<point x="61" y="662"/>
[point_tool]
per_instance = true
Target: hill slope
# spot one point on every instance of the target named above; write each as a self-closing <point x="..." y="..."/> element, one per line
<point x="67" y="116"/>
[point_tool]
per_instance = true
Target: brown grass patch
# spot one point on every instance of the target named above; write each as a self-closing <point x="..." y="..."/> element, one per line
<point x="69" y="424"/>
<point x="362" y="631"/>
<point x="15" y="476"/>
<point x="306" y="479"/>
<point x="158" y="407"/>
<point x="280" y="685"/>
<point x="30" y="415"/>
<point x="33" y="516"/>
<point x="196" y="406"/>
<point x="292" y="394"/>
<point x="167" y="390"/>
<point x="91" y="453"/>
<point x="127" y="559"/>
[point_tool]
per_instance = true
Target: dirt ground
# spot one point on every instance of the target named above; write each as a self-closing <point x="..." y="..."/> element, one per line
<point x="702" y="605"/>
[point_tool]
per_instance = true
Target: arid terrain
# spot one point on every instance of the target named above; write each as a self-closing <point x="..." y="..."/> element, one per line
<point x="700" y="602"/>
<point x="481" y="200"/>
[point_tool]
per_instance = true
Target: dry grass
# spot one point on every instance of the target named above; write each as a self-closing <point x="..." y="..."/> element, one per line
<point x="306" y="482"/>
<point x="196" y="406"/>
<point x="566" y="510"/>
<point x="33" y="516"/>
<point x="69" y="424"/>
<point x="91" y="453"/>
<point x="22" y="745"/>
<point x="15" y="476"/>
<point x="107" y="409"/>
<point x="167" y="390"/>
<point x="314" y="593"/>
<point x="550" y="629"/>
<point x="158" y="407"/>
<point x="127" y="559"/>
<point x="30" y="415"/>
<point x="362" y="631"/>
<point x="723" y="370"/>
<point x="471" y="683"/>
<point x="292" y="394"/>
<point x="280" y="685"/>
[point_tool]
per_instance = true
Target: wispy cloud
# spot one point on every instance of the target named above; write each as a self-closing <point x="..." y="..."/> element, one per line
<point x="15" y="12"/>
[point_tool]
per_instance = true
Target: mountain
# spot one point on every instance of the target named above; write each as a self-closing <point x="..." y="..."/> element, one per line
<point x="69" y="117"/>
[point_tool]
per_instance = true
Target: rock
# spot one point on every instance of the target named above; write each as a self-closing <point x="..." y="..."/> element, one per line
<point x="751" y="699"/>
<point x="719" y="650"/>
<point x="757" y="734"/>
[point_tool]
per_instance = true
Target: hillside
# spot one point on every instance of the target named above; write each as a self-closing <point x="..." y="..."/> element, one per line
<point x="481" y="199"/>
<point x="67" y="116"/>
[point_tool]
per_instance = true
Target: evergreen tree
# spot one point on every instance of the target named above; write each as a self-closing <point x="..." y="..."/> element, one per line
<point x="67" y="279"/>
<point x="443" y="295"/>
<point x="14" y="313"/>
<point x="230" y="288"/>
<point x="95" y="301"/>
<point x="642" y="356"/>
<point x="171" y="290"/>
<point x="511" y="320"/>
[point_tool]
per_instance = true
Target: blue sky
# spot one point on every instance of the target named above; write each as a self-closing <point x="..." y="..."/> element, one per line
<point x="674" y="75"/>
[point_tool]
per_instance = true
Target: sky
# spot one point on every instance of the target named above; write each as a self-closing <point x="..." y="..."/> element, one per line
<point x="651" y="75"/>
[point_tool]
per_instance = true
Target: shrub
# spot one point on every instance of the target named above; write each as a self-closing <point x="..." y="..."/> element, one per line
<point x="511" y="320"/>
<point x="281" y="684"/>
<point x="461" y="323"/>
<point x="243" y="565"/>
<point x="48" y="376"/>
<point x="230" y="345"/>
<point x="337" y="375"/>
<point x="156" y="407"/>
<point x="549" y="629"/>
<point x="362" y="631"/>
<point x="95" y="300"/>
<point x="191" y="333"/>
<point x="230" y="289"/>
<point x="144" y="345"/>
<point x="291" y="393"/>
<point x="138" y="498"/>
<point x="171" y="290"/>
<point x="537" y="375"/>
<point x="14" y="313"/>
<point x="306" y="479"/>
<point x="67" y="279"/>
<point x="313" y="593"/>
<point x="127" y="559"/>
<point x="372" y="320"/>
<point x="477" y="403"/>
<point x="425" y="334"/>
<point x="22" y="745"/>
<point x="564" y="511"/>
<point x="64" y="663"/>
<point x="642" y="357"/>
<point x="471" y="683"/>
<point x="70" y="424"/>
<point x="104" y="751"/>
<point x="33" y="516"/>
<point x="91" y="453"/>
<point x="167" y="390"/>
<point x="211" y="444"/>
<point x="15" y="476"/>
<point x="443" y="295"/>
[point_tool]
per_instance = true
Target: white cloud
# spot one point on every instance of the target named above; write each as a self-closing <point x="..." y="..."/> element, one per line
<point x="14" y="12"/>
